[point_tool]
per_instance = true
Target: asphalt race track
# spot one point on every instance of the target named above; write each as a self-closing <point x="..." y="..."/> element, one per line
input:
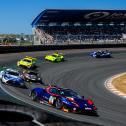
<point x="83" y="74"/>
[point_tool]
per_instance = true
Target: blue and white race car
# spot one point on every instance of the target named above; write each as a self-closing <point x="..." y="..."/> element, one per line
<point x="11" y="77"/>
<point x="100" y="54"/>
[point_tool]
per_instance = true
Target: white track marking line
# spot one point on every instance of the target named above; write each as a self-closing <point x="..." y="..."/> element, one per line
<point x="110" y="87"/>
<point x="38" y="123"/>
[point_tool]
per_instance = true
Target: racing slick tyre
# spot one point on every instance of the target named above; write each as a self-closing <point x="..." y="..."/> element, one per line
<point x="19" y="65"/>
<point x="58" y="103"/>
<point x="41" y="82"/>
<point x="63" y="60"/>
<point x="34" y="96"/>
<point x="2" y="81"/>
<point x="97" y="56"/>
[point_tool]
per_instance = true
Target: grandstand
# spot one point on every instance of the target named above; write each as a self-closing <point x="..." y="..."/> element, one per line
<point x="54" y="26"/>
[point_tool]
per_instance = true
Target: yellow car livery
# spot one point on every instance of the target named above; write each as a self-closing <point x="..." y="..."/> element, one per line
<point x="27" y="62"/>
<point x="56" y="57"/>
<point x="29" y="57"/>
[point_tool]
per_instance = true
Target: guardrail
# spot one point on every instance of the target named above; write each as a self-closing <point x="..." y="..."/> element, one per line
<point x="14" y="49"/>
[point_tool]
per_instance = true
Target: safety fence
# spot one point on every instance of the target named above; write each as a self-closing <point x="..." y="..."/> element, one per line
<point x="13" y="49"/>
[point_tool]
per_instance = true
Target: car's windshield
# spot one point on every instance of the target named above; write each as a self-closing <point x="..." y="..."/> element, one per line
<point x="54" y="91"/>
<point x="69" y="93"/>
<point x="26" y="60"/>
<point x="54" y="55"/>
<point x="13" y="73"/>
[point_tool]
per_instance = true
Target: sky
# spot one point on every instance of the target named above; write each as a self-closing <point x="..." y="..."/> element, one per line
<point x="16" y="15"/>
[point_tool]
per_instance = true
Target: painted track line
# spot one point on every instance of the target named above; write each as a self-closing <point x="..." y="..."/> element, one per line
<point x="37" y="122"/>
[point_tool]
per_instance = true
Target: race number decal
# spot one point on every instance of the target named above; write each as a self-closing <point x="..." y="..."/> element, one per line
<point x="51" y="99"/>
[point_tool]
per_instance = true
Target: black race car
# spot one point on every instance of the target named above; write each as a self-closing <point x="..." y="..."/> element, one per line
<point x="31" y="76"/>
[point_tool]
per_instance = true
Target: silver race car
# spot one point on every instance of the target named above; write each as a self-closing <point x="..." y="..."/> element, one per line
<point x="11" y="77"/>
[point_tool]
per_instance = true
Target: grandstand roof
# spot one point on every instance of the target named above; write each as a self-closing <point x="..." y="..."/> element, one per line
<point x="72" y="16"/>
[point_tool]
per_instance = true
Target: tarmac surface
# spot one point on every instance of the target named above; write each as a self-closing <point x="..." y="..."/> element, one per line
<point x="83" y="74"/>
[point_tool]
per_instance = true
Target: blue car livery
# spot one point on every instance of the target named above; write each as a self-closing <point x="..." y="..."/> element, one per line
<point x="100" y="54"/>
<point x="11" y="77"/>
<point x="64" y="99"/>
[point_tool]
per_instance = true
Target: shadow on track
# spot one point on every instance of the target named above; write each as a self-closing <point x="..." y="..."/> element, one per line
<point x="58" y="121"/>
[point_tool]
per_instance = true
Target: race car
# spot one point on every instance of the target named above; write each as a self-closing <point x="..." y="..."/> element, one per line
<point x="56" y="57"/>
<point x="31" y="76"/>
<point x="12" y="77"/>
<point x="100" y="54"/>
<point x="64" y="99"/>
<point x="27" y="62"/>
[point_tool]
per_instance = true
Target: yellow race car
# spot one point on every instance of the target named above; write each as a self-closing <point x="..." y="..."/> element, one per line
<point x="27" y="62"/>
<point x="56" y="57"/>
